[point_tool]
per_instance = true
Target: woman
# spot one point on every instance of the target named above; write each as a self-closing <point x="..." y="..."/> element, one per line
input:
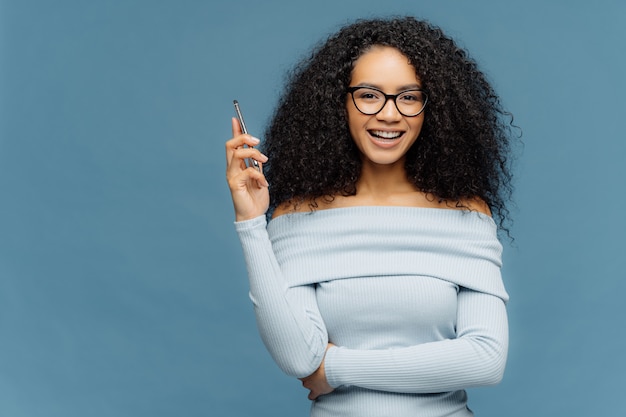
<point x="377" y="280"/>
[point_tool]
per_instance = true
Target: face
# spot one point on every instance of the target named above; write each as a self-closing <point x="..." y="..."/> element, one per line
<point x="385" y="137"/>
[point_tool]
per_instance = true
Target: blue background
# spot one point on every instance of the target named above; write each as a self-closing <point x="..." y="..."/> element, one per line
<point x="122" y="290"/>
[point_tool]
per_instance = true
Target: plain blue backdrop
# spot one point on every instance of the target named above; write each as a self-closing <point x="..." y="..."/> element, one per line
<point x="122" y="290"/>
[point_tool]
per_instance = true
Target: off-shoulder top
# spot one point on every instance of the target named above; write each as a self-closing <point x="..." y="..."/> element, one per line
<point x="412" y="298"/>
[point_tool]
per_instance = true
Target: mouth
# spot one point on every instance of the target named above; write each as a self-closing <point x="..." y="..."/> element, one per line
<point x="386" y="135"/>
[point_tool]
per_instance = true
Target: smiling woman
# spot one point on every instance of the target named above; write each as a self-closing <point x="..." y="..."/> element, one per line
<point x="377" y="280"/>
<point x="462" y="154"/>
<point x="382" y="132"/>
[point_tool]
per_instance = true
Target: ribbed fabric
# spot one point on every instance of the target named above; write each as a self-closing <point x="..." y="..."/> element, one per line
<point x="412" y="297"/>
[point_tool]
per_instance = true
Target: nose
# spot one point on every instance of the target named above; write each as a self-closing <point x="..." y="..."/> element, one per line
<point x="389" y="112"/>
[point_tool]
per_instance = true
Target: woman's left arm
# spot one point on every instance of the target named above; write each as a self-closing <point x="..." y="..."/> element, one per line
<point x="477" y="356"/>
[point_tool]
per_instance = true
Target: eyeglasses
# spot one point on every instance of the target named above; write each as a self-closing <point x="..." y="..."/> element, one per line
<point x="370" y="101"/>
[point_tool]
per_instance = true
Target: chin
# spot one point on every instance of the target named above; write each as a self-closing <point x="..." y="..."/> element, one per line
<point x="384" y="160"/>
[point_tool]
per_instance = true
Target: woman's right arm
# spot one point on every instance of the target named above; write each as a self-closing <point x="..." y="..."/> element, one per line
<point x="288" y="317"/>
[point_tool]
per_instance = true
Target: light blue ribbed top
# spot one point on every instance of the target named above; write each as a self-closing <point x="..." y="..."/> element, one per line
<point x="412" y="297"/>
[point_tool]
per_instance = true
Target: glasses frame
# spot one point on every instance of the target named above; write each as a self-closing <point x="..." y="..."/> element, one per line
<point x="388" y="97"/>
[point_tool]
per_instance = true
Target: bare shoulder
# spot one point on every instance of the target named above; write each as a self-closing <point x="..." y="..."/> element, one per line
<point x="472" y="204"/>
<point x="475" y="204"/>
<point x="291" y="206"/>
<point x="306" y="204"/>
<point x="283" y="208"/>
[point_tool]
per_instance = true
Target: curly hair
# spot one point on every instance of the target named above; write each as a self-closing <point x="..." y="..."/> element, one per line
<point x="463" y="149"/>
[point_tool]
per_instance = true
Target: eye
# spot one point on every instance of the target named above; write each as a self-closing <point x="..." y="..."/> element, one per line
<point x="411" y="97"/>
<point x="368" y="94"/>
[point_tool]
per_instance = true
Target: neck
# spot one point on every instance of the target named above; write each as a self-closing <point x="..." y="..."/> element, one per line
<point x="383" y="181"/>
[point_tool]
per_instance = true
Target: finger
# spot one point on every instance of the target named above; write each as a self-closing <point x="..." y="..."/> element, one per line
<point x="239" y="141"/>
<point x="257" y="176"/>
<point x="246" y="177"/>
<point x="230" y="145"/>
<point x="245" y="153"/>
<point x="236" y="126"/>
<point x="237" y="131"/>
<point x="238" y="157"/>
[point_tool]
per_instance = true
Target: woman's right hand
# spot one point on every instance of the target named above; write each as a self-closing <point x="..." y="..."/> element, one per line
<point x="248" y="187"/>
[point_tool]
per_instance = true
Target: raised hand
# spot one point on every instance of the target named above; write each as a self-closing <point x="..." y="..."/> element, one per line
<point x="248" y="187"/>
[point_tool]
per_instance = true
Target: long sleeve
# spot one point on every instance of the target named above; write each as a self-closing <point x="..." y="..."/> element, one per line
<point x="288" y="319"/>
<point x="477" y="356"/>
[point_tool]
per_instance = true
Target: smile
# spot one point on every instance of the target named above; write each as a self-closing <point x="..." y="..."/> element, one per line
<point x="381" y="134"/>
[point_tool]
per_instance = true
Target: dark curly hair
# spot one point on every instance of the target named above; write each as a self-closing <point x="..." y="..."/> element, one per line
<point x="463" y="149"/>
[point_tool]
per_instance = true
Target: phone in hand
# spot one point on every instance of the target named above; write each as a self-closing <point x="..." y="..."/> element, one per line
<point x="250" y="161"/>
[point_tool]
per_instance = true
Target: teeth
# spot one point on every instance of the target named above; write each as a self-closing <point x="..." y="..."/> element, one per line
<point x="386" y="135"/>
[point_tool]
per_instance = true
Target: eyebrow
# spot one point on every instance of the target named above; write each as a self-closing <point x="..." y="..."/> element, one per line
<point x="400" y="88"/>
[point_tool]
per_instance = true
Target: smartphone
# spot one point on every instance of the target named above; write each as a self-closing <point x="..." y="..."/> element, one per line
<point x="250" y="161"/>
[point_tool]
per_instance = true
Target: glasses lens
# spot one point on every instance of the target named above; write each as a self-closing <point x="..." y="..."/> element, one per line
<point x="411" y="103"/>
<point x="371" y="101"/>
<point x="368" y="101"/>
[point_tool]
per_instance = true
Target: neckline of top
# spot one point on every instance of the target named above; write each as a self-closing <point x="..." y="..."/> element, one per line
<point x="383" y="208"/>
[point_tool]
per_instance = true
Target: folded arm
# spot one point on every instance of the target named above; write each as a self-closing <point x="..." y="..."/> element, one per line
<point x="477" y="356"/>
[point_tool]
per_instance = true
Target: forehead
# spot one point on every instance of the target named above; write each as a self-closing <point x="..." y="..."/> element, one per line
<point x="384" y="66"/>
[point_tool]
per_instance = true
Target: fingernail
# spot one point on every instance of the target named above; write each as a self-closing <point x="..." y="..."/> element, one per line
<point x="255" y="140"/>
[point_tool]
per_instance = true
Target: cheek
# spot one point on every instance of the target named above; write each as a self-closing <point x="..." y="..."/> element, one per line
<point x="353" y="130"/>
<point x="417" y="125"/>
<point x="354" y="120"/>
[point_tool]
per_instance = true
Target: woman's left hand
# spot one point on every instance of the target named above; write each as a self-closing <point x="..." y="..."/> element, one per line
<point x="316" y="383"/>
